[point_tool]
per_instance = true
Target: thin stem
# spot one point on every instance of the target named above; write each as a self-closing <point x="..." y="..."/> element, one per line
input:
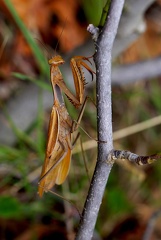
<point x="104" y="116"/>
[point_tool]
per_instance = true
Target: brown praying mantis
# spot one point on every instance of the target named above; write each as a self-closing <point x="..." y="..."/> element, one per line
<point x="61" y="126"/>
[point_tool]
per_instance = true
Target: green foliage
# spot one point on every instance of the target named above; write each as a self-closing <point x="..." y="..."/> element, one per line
<point x="105" y="13"/>
<point x="93" y="10"/>
<point x="9" y="153"/>
<point x="10" y="207"/>
<point x="117" y="201"/>
<point x="96" y="11"/>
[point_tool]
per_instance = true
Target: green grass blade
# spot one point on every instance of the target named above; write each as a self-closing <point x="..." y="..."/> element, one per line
<point x="41" y="60"/>
<point x="22" y="136"/>
<point x="40" y="83"/>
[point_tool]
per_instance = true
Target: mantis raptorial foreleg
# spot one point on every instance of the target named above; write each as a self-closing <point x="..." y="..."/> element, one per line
<point x="78" y="76"/>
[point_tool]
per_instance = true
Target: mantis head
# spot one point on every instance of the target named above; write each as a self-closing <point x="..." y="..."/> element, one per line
<point x="57" y="60"/>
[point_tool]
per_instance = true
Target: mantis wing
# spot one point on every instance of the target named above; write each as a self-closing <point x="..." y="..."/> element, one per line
<point x="51" y="145"/>
<point x="64" y="168"/>
<point x="53" y="167"/>
<point x="58" y="156"/>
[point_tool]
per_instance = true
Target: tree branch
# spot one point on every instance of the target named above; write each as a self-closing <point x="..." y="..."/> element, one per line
<point x="151" y="224"/>
<point x="104" y="116"/>
<point x="132" y="24"/>
<point x="142" y="70"/>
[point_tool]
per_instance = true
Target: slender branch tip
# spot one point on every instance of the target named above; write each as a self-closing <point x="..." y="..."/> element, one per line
<point x="94" y="31"/>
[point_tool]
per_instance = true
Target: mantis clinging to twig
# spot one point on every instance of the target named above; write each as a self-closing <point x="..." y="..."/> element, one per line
<point x="61" y="126"/>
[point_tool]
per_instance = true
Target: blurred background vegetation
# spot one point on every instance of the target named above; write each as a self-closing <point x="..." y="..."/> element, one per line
<point x="27" y="29"/>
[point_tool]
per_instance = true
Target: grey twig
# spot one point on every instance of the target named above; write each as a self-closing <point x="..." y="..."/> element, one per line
<point x="133" y="157"/>
<point x="130" y="73"/>
<point x="132" y="24"/>
<point x="102" y="59"/>
<point x="151" y="224"/>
